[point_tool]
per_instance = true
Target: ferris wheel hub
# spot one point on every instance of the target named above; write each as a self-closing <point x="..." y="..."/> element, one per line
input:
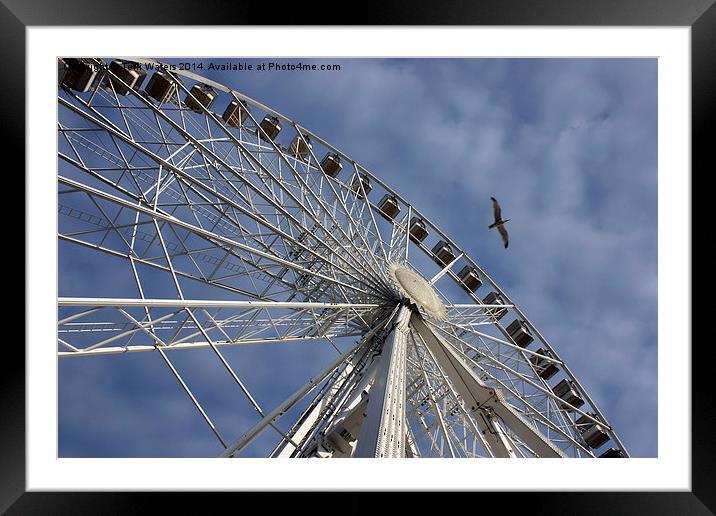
<point x="417" y="289"/>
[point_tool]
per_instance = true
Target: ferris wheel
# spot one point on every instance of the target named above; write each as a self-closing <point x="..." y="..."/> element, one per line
<point x="237" y="226"/>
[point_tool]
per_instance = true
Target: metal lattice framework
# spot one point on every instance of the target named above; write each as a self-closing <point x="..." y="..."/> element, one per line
<point x="265" y="233"/>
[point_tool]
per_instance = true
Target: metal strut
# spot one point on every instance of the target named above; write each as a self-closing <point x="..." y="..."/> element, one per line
<point x="478" y="397"/>
<point x="383" y="431"/>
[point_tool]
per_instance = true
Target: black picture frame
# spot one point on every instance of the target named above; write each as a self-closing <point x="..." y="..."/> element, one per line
<point x="700" y="15"/>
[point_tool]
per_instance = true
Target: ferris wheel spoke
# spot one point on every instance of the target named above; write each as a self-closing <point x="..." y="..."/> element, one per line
<point x="249" y="322"/>
<point x="193" y="180"/>
<point x="173" y="369"/>
<point x="365" y="206"/>
<point x="206" y="254"/>
<point x="465" y="330"/>
<point x="204" y="150"/>
<point x="119" y="135"/>
<point x="355" y="213"/>
<point x="502" y="351"/>
<point x="466" y="317"/>
<point x="209" y="340"/>
<point x="218" y="240"/>
<point x="253" y="402"/>
<point x="253" y="238"/>
<point x="192" y="397"/>
<point x="303" y="184"/>
<point x="353" y="225"/>
<point x="114" y="99"/>
<point x="150" y="264"/>
<point x="398" y="248"/>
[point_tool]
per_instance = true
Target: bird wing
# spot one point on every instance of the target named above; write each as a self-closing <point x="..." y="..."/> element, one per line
<point x="505" y="236"/>
<point x="496" y="208"/>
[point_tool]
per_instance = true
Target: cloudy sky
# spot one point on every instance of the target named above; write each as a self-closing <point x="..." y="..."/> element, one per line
<point x="568" y="146"/>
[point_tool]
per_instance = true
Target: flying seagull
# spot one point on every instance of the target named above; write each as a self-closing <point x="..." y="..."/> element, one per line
<point x="499" y="223"/>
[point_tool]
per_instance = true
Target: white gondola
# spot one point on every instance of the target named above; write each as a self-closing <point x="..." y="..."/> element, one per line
<point x="418" y="230"/>
<point x="161" y="87"/>
<point x="61" y="71"/>
<point x="80" y="74"/>
<point x="443" y="253"/>
<point x="493" y="298"/>
<point x="356" y="182"/>
<point x="567" y="390"/>
<point x="236" y="113"/>
<point x="612" y="453"/>
<point x="270" y="126"/>
<point x="131" y="73"/>
<point x="545" y="368"/>
<point x="520" y="333"/>
<point x="469" y="279"/>
<point x="331" y="164"/>
<point x="593" y="433"/>
<point x="388" y="207"/>
<point x="203" y="96"/>
<point x="300" y="147"/>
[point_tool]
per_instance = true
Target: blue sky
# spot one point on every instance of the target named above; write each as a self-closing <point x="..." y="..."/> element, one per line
<point x="568" y="146"/>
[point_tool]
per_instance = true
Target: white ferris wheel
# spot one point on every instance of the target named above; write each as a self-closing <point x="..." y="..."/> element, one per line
<point x="236" y="226"/>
